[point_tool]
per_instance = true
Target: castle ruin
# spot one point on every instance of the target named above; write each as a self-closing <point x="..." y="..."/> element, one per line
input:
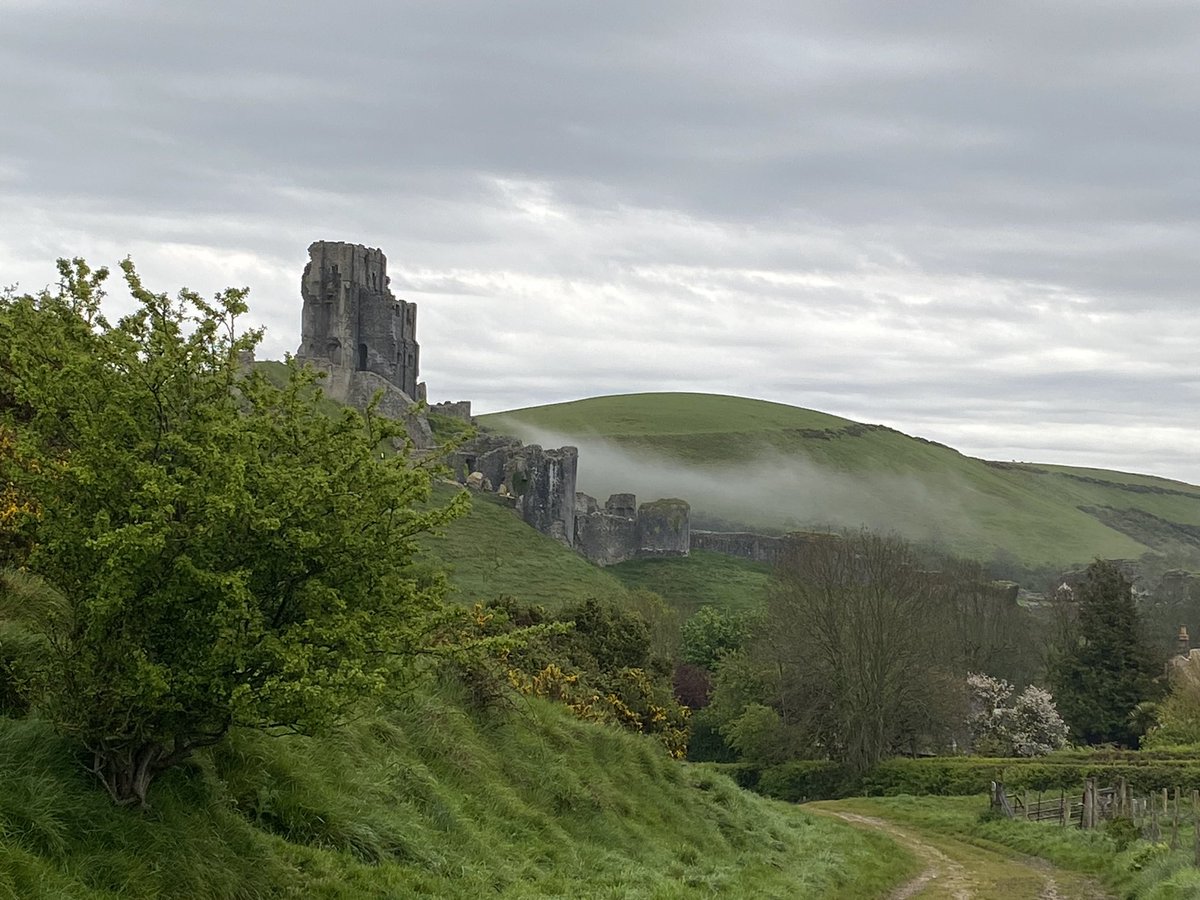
<point x="363" y="336"/>
<point x="365" y="339"/>
<point x="623" y="530"/>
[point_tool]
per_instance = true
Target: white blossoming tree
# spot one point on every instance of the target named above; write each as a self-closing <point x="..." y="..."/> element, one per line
<point x="1000" y="726"/>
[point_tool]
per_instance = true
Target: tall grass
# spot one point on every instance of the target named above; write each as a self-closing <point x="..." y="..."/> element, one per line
<point x="703" y="578"/>
<point x="430" y="799"/>
<point x="490" y="553"/>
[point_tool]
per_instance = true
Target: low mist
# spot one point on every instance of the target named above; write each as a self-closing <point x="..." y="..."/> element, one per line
<point x="772" y="491"/>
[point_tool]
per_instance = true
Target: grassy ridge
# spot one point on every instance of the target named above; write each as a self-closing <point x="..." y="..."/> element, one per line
<point x="796" y="468"/>
<point x="431" y="799"/>
<point x="490" y="553"/>
<point x="631" y="415"/>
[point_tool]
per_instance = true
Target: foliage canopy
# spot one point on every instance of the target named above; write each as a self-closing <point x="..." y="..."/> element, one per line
<point x="1103" y="667"/>
<point x="207" y="550"/>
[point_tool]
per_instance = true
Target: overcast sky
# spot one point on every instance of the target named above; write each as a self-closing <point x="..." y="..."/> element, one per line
<point x="974" y="222"/>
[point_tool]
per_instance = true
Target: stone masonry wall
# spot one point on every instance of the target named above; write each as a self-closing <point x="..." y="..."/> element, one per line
<point x="742" y="544"/>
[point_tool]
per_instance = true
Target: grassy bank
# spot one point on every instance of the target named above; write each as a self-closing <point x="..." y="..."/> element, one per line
<point x="491" y="553"/>
<point x="431" y="799"/>
<point x="701" y="579"/>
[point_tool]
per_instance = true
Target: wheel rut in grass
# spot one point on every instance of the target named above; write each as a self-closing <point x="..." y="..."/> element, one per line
<point x="954" y="869"/>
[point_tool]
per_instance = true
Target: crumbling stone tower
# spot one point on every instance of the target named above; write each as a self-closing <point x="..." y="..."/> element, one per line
<point x="351" y="318"/>
<point x="354" y="328"/>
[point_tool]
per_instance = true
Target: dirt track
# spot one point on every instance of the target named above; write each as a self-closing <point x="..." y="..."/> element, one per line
<point x="954" y="869"/>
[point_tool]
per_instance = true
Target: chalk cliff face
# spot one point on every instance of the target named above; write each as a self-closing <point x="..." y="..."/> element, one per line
<point x="360" y="333"/>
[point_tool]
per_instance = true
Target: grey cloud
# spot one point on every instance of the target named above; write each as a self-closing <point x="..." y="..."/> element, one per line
<point x="891" y="211"/>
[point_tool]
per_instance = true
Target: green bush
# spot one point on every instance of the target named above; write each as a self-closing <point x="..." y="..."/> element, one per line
<point x="17" y="648"/>
<point x="807" y="779"/>
<point x="949" y="776"/>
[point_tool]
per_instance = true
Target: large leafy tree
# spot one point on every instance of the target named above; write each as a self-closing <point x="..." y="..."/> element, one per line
<point x="1102" y="667"/>
<point x="202" y="550"/>
<point x="857" y="650"/>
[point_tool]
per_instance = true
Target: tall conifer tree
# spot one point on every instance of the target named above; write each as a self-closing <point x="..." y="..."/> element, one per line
<point x="1103" y="666"/>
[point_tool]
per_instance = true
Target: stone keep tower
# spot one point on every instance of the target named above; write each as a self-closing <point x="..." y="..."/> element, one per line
<point x="352" y="321"/>
<point x="354" y="328"/>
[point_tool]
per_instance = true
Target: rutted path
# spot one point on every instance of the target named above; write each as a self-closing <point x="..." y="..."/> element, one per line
<point x="954" y="869"/>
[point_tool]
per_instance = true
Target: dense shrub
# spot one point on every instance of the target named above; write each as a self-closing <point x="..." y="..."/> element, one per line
<point x="807" y="779"/>
<point x="596" y="659"/>
<point x="961" y="775"/>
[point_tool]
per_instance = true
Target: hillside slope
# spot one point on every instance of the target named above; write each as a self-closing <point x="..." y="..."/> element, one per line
<point x="491" y="553"/>
<point x="770" y="465"/>
<point x="432" y="799"/>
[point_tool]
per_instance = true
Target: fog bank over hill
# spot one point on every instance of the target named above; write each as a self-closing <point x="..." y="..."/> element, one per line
<point x="750" y="463"/>
<point x="771" y="490"/>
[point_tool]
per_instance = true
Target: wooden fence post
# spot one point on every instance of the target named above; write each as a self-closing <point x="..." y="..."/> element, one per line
<point x="1062" y="807"/>
<point x="1175" y="820"/>
<point x="1196" y="828"/>
<point x="1089" y="799"/>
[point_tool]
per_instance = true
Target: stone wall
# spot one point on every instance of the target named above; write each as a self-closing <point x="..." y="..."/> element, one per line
<point x="351" y="318"/>
<point x="456" y="409"/>
<point x="622" y="530"/>
<point x="664" y="528"/>
<point x="547" y="496"/>
<point x="605" y="536"/>
<point x="742" y="544"/>
<point x="541" y="482"/>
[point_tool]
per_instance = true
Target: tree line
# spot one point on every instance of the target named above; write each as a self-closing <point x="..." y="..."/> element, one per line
<point x="868" y="647"/>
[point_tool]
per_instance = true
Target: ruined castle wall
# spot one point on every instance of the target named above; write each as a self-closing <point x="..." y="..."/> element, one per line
<point x="456" y="409"/>
<point x="353" y="328"/>
<point x="351" y="319"/>
<point x="547" y="490"/>
<point x="606" y="540"/>
<point x="742" y="544"/>
<point x="664" y="528"/>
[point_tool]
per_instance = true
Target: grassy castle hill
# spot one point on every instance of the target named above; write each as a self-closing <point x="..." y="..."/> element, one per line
<point x="753" y="463"/>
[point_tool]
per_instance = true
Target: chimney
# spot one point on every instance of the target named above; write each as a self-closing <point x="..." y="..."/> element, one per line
<point x="1183" y="642"/>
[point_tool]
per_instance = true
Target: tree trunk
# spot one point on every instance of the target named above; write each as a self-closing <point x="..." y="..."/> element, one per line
<point x="127" y="771"/>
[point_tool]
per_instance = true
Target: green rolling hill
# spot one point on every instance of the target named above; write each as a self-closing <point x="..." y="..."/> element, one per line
<point x="744" y="462"/>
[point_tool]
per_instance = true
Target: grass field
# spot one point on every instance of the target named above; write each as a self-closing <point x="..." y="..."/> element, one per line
<point x="430" y="799"/>
<point x="702" y="579"/>
<point x="769" y="465"/>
